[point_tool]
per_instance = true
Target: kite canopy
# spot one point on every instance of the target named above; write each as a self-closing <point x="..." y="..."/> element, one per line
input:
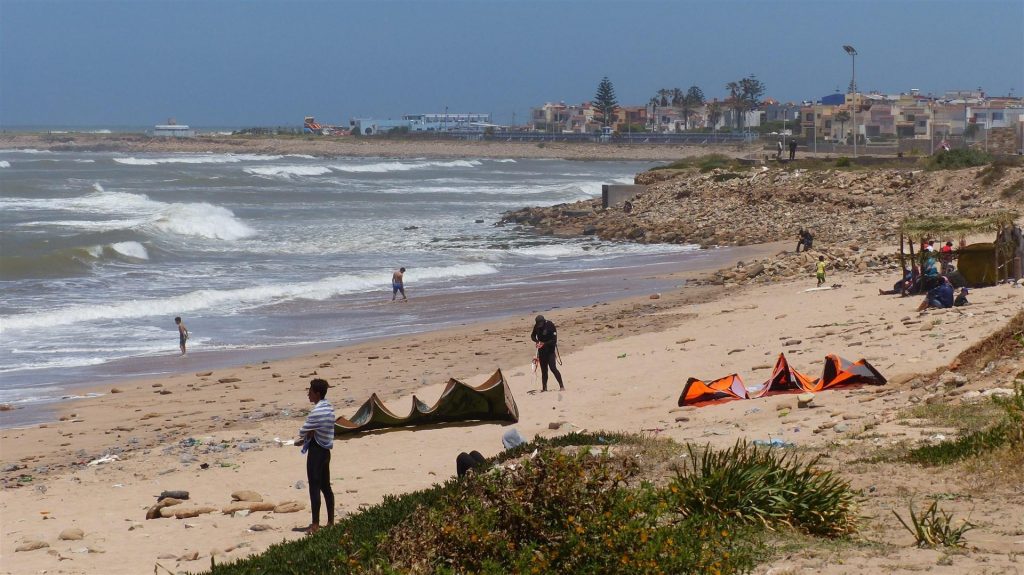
<point x="490" y="401"/>
<point x="784" y="379"/>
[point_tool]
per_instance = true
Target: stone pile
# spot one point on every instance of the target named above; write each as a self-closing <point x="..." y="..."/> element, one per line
<point x="764" y="204"/>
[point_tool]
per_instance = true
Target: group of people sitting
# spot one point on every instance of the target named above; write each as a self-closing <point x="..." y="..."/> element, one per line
<point x="927" y="279"/>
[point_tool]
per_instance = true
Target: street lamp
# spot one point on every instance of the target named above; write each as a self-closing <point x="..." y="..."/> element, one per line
<point x="853" y="92"/>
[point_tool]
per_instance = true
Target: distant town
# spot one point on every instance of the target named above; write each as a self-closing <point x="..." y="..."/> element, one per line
<point x="873" y="119"/>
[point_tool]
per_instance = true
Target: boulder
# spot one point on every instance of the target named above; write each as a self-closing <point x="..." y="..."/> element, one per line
<point x="193" y="512"/>
<point x="31" y="546"/>
<point x="289" y="507"/>
<point x="71" y="534"/>
<point x="248" y="506"/>
<point x="246" y="495"/>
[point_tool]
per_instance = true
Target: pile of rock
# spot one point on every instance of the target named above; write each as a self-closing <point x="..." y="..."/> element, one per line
<point x="243" y="502"/>
<point x="763" y="204"/>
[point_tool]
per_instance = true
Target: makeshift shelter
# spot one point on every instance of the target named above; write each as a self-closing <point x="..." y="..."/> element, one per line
<point x="490" y="401"/>
<point x="987" y="263"/>
<point x="784" y="379"/>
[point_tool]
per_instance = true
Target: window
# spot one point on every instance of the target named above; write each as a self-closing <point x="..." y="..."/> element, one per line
<point x="809" y="118"/>
<point x="997" y="116"/>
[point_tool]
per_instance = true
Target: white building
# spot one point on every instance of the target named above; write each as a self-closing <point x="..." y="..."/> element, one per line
<point x="173" y="131"/>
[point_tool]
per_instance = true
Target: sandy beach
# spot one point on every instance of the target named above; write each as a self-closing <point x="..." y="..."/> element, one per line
<point x="625" y="363"/>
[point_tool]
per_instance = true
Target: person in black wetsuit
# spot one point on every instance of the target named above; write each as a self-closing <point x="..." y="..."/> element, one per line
<point x="546" y="336"/>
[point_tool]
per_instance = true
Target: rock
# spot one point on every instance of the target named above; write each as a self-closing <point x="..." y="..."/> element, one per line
<point x="261" y="527"/>
<point x="804" y="400"/>
<point x="204" y="374"/>
<point x="229" y="380"/>
<point x="841" y="427"/>
<point x="31" y="546"/>
<point x="249" y="505"/>
<point x="300" y="484"/>
<point x="116" y="390"/>
<point x="166" y="556"/>
<point x="997" y="391"/>
<point x="241" y="513"/>
<point x="169" y="501"/>
<point x="11" y="467"/>
<point x="191" y="556"/>
<point x="193" y="512"/>
<point x="682" y="419"/>
<point x="555" y="425"/>
<point x="166" y="512"/>
<point x="246" y="495"/>
<point x="173" y="494"/>
<point x="792" y="342"/>
<point x="289" y="507"/>
<point x="655" y="296"/>
<point x="71" y="534"/>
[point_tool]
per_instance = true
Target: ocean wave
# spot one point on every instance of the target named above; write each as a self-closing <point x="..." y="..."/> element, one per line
<point x="230" y="299"/>
<point x="288" y="171"/>
<point x="383" y="167"/>
<point x="24" y="151"/>
<point x="196" y="159"/>
<point x="131" y="249"/>
<point x="192" y="219"/>
<point x="5" y="164"/>
<point x="68" y="262"/>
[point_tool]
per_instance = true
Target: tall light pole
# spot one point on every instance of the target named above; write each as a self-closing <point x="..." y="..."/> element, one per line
<point x="853" y="92"/>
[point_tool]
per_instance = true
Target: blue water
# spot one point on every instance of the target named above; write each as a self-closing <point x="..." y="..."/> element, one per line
<point x="99" y="252"/>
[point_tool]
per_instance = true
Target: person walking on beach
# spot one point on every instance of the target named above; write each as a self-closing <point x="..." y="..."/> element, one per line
<point x="317" y="440"/>
<point x="546" y="336"/>
<point x="778" y="153"/>
<point x="819" y="270"/>
<point x="792" y="149"/>
<point x="182" y="334"/>
<point x="398" y="284"/>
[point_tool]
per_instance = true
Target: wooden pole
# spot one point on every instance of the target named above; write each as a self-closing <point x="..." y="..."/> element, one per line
<point x="903" y="262"/>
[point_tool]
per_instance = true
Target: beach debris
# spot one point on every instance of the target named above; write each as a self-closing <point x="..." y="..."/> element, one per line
<point x="71" y="534"/>
<point x="178" y="494"/>
<point x="11" y="467"/>
<point x="6" y="407"/>
<point x="204" y="374"/>
<point x="246" y="495"/>
<point x="655" y="296"/>
<point x="773" y="442"/>
<point x="105" y="459"/>
<point x="280" y="441"/>
<point x="620" y="356"/>
<point x="732" y="351"/>
<point x="261" y="527"/>
<point x="300" y="484"/>
<point x="31" y="546"/>
<point x="289" y="507"/>
<point x="241" y="513"/>
<point x="191" y="556"/>
<point x="229" y="380"/>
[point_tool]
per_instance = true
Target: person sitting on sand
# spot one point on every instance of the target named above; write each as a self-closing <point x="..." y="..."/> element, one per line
<point x="940" y="296"/>
<point x="317" y="440"/>
<point x="398" y="285"/>
<point x="900" y="287"/>
<point x="961" y="299"/>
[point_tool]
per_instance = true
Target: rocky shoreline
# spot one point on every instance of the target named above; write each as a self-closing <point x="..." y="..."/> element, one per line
<point x="855" y="214"/>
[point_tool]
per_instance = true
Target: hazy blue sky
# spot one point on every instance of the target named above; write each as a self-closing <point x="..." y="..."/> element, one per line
<point x="269" y="62"/>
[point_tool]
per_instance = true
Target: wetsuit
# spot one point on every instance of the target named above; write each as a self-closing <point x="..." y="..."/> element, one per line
<point x="547" y="355"/>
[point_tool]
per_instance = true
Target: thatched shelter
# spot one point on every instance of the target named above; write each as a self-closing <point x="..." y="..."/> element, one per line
<point x="987" y="263"/>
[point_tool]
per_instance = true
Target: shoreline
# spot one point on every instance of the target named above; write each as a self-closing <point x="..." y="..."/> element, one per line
<point x="572" y="289"/>
<point x="365" y="147"/>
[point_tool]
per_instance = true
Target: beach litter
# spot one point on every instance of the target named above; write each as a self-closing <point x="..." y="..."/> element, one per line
<point x="773" y="442"/>
<point x="102" y="460"/>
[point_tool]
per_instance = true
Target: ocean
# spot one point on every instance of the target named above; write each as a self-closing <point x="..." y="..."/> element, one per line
<point x="268" y="256"/>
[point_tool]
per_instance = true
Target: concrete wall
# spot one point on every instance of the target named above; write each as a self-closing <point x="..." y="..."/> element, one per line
<point x="615" y="194"/>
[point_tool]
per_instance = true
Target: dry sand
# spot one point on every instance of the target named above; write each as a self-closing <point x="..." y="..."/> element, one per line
<point x="624" y="364"/>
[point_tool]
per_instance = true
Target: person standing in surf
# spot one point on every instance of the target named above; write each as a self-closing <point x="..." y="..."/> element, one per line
<point x="398" y="285"/>
<point x="182" y="334"/>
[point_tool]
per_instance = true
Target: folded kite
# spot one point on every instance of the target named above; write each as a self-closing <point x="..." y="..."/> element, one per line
<point x="491" y="400"/>
<point x="784" y="379"/>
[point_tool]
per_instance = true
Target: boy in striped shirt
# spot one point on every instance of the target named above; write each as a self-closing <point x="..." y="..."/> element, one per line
<point x="317" y="439"/>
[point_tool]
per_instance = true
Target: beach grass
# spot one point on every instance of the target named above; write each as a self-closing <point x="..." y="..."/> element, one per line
<point x="582" y="503"/>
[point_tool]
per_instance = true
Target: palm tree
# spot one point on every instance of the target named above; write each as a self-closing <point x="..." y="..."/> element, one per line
<point x="714" y="113"/>
<point x="734" y="100"/>
<point x="843" y="117"/>
<point x="664" y="94"/>
<point x="654" y="112"/>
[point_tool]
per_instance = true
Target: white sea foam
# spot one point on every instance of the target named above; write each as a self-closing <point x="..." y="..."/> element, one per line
<point x="504" y="161"/>
<point x="193" y="219"/>
<point x="131" y="249"/>
<point x="84" y="161"/>
<point x="230" y="299"/>
<point x="288" y="171"/>
<point x="24" y="151"/>
<point x="5" y="164"/>
<point x="196" y="159"/>
<point x="382" y="167"/>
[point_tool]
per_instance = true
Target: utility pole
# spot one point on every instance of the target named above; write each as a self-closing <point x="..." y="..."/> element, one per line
<point x="853" y="92"/>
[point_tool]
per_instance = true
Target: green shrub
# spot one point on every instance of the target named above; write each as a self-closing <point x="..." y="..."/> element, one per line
<point x="565" y="513"/>
<point x="957" y="159"/>
<point x="934" y="527"/>
<point x="842" y="162"/>
<point x="1008" y="430"/>
<point x="764" y="486"/>
<point x="712" y="162"/>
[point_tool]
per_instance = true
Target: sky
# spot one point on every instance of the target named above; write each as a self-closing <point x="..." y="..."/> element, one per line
<point x="242" y="63"/>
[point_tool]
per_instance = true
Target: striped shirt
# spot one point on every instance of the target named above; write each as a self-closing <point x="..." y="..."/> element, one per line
<point x="321" y="422"/>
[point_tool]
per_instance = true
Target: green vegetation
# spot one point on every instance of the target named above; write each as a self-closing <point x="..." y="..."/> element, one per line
<point x="934" y="527"/>
<point x="994" y="172"/>
<point x="583" y="503"/>
<point x="957" y="159"/>
<point x="1006" y="431"/>
<point x="842" y="162"/>
<point x="604" y="102"/>
<point x="705" y="163"/>
<point x="764" y="487"/>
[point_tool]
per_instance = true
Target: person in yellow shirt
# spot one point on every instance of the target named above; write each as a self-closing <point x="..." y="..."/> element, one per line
<point x="820" y="270"/>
